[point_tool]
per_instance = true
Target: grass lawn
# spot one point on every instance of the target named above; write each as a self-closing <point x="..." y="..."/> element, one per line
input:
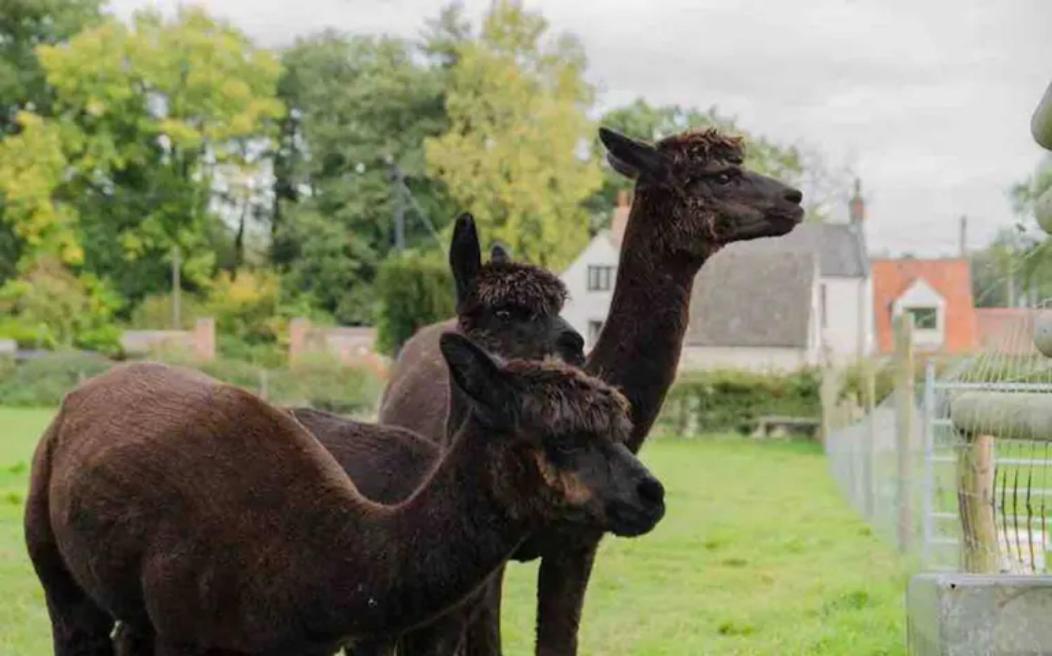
<point x="757" y="555"/>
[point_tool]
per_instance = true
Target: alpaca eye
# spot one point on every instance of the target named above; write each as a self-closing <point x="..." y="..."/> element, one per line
<point x="503" y="315"/>
<point x="724" y="178"/>
<point x="565" y="448"/>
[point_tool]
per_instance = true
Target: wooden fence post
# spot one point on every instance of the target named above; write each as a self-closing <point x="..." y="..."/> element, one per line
<point x="975" y="502"/>
<point x="904" y="420"/>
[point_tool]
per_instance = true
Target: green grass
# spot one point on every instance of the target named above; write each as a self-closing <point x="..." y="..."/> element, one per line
<point x="24" y="627"/>
<point x="757" y="555"/>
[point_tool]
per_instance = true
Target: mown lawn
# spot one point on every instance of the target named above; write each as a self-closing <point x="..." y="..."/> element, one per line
<point x="758" y="555"/>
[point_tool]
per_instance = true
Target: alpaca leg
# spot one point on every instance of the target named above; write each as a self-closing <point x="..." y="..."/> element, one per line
<point x="164" y="648"/>
<point x="448" y="634"/>
<point x="373" y="647"/>
<point x="561" y="585"/>
<point x="482" y="635"/>
<point x="442" y="637"/>
<point x="78" y="626"/>
<point x="132" y="640"/>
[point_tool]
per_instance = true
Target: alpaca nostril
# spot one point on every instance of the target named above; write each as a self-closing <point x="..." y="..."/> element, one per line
<point x="651" y="490"/>
<point x="794" y="196"/>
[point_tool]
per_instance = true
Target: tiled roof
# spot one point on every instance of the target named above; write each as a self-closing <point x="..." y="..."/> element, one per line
<point x="951" y="278"/>
<point x="752" y="299"/>
<point x="1008" y="331"/>
<point x="840" y="247"/>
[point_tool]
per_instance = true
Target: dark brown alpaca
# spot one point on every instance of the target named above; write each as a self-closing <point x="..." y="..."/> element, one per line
<point x="510" y="308"/>
<point x="193" y="510"/>
<point x="514" y="309"/>
<point x="692" y="197"/>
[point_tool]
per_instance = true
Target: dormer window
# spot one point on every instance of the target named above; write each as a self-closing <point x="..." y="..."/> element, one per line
<point x="927" y="308"/>
<point x="924" y="318"/>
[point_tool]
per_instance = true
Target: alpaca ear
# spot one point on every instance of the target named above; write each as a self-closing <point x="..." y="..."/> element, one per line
<point x="633" y="159"/>
<point x="498" y="254"/>
<point x="475" y="373"/>
<point x="465" y="255"/>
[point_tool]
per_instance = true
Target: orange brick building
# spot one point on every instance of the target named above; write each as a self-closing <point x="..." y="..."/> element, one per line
<point x="937" y="292"/>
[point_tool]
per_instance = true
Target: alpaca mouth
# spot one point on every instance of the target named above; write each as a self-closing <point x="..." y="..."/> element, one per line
<point x="791" y="216"/>
<point x="633" y="521"/>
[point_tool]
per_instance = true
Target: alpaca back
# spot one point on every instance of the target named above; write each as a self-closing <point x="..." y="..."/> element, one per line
<point x="176" y="495"/>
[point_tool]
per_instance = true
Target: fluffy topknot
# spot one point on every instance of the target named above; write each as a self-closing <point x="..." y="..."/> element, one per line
<point x="703" y="145"/>
<point x="514" y="283"/>
<point x="565" y="400"/>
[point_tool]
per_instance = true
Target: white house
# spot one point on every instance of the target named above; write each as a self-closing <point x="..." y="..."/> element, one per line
<point x="803" y="299"/>
<point x="590" y="278"/>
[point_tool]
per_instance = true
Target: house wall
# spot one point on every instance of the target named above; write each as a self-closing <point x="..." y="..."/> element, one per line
<point x="847" y="331"/>
<point x="761" y="359"/>
<point x="582" y="305"/>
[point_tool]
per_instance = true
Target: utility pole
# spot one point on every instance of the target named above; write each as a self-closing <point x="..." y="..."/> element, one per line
<point x="176" y="265"/>
<point x="963" y="237"/>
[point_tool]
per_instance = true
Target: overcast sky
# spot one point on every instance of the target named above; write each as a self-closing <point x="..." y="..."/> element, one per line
<point x="929" y="101"/>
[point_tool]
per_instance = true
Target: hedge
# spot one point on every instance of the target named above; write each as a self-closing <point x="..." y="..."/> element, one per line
<point x="320" y="383"/>
<point x="731" y="400"/>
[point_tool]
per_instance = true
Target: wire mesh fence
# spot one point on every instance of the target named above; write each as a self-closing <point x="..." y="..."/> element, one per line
<point x="864" y="460"/>
<point x="970" y="487"/>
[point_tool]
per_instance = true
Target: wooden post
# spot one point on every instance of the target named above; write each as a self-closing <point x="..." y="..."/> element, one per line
<point x="904" y="406"/>
<point x="975" y="502"/>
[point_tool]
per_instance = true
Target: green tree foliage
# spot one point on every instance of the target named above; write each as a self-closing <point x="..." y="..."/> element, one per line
<point x="146" y="117"/>
<point x="641" y="120"/>
<point x="1016" y="267"/>
<point x="358" y="108"/>
<point x="60" y="308"/>
<point x="24" y="25"/>
<point x="415" y="290"/>
<point x="33" y="165"/>
<point x="517" y="106"/>
<point x="246" y="305"/>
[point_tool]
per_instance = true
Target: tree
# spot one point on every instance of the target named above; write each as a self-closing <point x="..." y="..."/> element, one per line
<point x="415" y="290"/>
<point x="641" y="120"/>
<point x="1016" y="268"/>
<point x="146" y="117"/>
<point x="512" y="155"/>
<point x="69" y="308"/>
<point x="33" y="165"/>
<point x="25" y="25"/>
<point x="359" y="110"/>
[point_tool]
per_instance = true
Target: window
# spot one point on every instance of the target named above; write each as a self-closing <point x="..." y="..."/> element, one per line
<point x="594" y="328"/>
<point x="600" y="278"/>
<point x="924" y="318"/>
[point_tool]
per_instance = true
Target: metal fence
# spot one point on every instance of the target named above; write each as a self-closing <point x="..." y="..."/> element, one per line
<point x="865" y="460"/>
<point x="919" y="491"/>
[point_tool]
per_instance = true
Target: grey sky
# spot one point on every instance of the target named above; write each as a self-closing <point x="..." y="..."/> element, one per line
<point x="928" y="100"/>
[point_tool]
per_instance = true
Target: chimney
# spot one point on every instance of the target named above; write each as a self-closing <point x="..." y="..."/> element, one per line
<point x="857" y="206"/>
<point x="620" y="217"/>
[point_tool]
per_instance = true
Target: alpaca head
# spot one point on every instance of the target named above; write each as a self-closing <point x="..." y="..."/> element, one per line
<point x="509" y="307"/>
<point x="557" y="441"/>
<point x="697" y="183"/>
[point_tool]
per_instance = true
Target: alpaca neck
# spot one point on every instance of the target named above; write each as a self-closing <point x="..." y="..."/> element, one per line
<point x="640" y="344"/>
<point x="404" y="564"/>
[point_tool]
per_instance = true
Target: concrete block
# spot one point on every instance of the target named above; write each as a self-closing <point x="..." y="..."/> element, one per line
<point x="979" y="615"/>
